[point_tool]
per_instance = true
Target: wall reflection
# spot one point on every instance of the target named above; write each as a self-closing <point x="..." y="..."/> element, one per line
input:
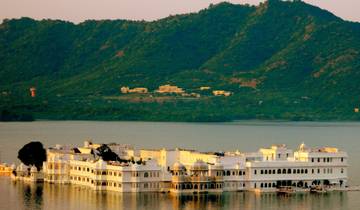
<point x="50" y="196"/>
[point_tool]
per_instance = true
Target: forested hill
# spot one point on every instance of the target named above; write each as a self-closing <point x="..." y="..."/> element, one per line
<point x="280" y="60"/>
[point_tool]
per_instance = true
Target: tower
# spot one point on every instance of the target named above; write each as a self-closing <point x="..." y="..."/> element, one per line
<point x="33" y="92"/>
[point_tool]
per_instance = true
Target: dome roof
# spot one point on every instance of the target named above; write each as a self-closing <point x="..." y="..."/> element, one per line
<point x="33" y="169"/>
<point x="178" y="166"/>
<point x="13" y="166"/>
<point x="22" y="167"/>
<point x="199" y="165"/>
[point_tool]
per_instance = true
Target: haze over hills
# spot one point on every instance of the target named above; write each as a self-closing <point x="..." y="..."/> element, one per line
<point x="281" y="60"/>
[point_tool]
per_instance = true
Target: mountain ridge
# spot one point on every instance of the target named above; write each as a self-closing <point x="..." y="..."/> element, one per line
<point x="281" y="60"/>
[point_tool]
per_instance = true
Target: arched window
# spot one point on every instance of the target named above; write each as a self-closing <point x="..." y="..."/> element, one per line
<point x="279" y="171"/>
<point x="228" y="173"/>
<point x="146" y="174"/>
<point x="289" y="171"/>
<point x="284" y="171"/>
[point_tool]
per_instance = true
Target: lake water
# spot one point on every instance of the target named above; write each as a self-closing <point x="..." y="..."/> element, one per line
<point x="242" y="136"/>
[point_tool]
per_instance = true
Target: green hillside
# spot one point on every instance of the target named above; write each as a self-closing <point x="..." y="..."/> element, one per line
<point x="281" y="60"/>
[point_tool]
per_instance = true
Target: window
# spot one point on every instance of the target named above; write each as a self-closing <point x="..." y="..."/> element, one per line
<point x="146" y="174"/>
<point x="262" y="172"/>
<point x="254" y="171"/>
<point x="342" y="159"/>
<point x="312" y="159"/>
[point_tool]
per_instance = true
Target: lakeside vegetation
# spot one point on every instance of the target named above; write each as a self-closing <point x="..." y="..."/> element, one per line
<point x="281" y="60"/>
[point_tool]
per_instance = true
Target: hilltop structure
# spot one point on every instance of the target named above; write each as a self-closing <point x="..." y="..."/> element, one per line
<point x="32" y="92"/>
<point x="221" y="93"/>
<point x="188" y="171"/>
<point x="170" y="89"/>
<point x="125" y="90"/>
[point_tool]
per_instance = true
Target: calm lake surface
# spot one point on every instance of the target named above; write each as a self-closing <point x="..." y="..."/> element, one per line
<point x="242" y="136"/>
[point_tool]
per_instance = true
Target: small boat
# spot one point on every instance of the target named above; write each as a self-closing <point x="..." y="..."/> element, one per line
<point x="318" y="189"/>
<point x="285" y="191"/>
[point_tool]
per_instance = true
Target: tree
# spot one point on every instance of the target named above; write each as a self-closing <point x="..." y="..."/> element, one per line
<point x="106" y="153"/>
<point x="32" y="153"/>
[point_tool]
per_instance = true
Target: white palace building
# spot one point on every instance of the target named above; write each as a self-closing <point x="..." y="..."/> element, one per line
<point x="187" y="171"/>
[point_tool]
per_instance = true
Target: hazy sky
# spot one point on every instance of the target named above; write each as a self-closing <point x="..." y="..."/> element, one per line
<point x="80" y="10"/>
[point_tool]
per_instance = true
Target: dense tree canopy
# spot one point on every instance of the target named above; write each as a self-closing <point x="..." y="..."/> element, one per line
<point x="32" y="153"/>
<point x="107" y="154"/>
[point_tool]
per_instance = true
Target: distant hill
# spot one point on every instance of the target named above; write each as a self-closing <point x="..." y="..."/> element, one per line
<point x="281" y="60"/>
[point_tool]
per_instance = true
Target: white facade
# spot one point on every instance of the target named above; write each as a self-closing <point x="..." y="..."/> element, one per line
<point x="189" y="171"/>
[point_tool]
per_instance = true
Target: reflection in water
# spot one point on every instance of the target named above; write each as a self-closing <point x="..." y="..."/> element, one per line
<point x="29" y="195"/>
<point x="49" y="196"/>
